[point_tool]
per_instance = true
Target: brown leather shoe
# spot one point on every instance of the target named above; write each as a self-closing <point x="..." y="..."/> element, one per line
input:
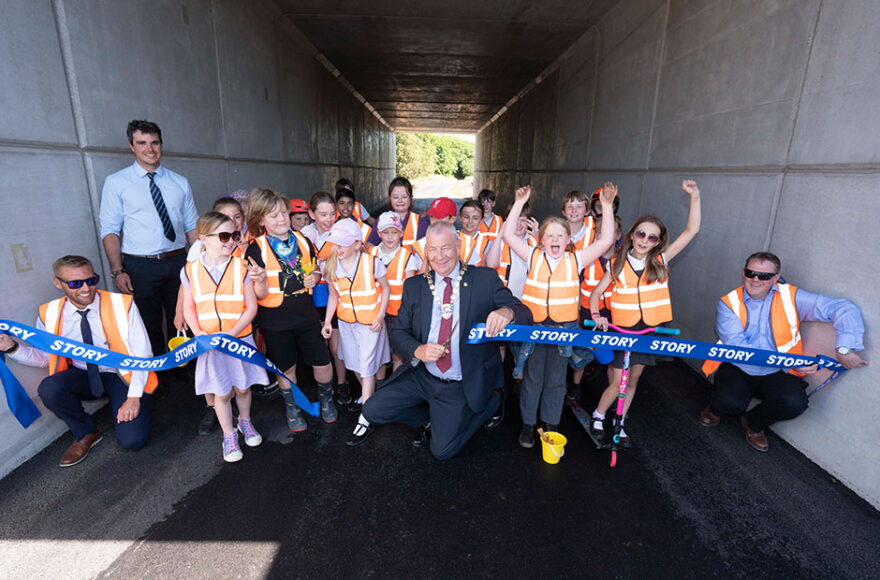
<point x="757" y="440"/>
<point x="708" y="418"/>
<point x="78" y="451"/>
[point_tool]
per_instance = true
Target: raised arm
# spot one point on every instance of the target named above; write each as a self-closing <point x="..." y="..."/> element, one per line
<point x="508" y="230"/>
<point x="693" y="225"/>
<point x="492" y="259"/>
<point x="594" y="251"/>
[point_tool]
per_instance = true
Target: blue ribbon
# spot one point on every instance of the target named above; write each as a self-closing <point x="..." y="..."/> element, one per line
<point x="661" y="345"/>
<point x="26" y="412"/>
<point x="16" y="397"/>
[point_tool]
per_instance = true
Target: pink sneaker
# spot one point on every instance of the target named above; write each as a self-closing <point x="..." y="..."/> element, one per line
<point x="251" y="437"/>
<point x="231" y="450"/>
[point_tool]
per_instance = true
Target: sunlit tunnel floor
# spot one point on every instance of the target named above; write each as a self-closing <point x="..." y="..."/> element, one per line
<point x="684" y="502"/>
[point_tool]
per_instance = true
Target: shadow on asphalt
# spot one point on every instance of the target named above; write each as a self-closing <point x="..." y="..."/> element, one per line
<point x="684" y="502"/>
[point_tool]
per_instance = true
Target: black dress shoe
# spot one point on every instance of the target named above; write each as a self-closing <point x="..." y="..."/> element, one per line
<point x="423" y="437"/>
<point x="361" y="432"/>
<point x="496" y="419"/>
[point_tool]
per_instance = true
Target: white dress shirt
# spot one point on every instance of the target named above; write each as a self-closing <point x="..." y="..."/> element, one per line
<point x="138" y="341"/>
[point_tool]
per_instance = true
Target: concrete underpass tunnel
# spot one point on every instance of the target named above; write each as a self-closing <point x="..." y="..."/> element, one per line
<point x="770" y="106"/>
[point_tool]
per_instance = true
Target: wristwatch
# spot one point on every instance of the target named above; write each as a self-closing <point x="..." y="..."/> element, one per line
<point x="12" y="349"/>
<point x="843" y="351"/>
<point x="116" y="273"/>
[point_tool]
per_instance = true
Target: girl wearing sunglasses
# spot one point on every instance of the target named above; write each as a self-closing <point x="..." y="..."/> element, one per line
<point x="218" y="298"/>
<point x="640" y="296"/>
<point x="232" y="209"/>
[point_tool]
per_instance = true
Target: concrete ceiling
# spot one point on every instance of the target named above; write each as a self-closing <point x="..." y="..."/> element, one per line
<point x="443" y="65"/>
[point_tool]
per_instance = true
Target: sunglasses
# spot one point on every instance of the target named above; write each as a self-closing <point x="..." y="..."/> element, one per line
<point x="226" y="236"/>
<point x="763" y="276"/>
<point x="653" y="238"/>
<point x="76" y="284"/>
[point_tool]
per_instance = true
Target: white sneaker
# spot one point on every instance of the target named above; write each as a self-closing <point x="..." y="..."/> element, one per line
<point x="251" y="437"/>
<point x="231" y="450"/>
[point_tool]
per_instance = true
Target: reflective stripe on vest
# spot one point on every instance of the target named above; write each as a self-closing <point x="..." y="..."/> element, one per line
<point x="553" y="294"/>
<point x="418" y="248"/>
<point x="411" y="229"/>
<point x="360" y="299"/>
<point x="503" y="268"/>
<point x="634" y="298"/>
<point x="275" y="296"/>
<point x="493" y="229"/>
<point x="467" y="246"/>
<point x="592" y="276"/>
<point x="784" y="321"/>
<point x="590" y="222"/>
<point x="219" y="306"/>
<point x="114" y="321"/>
<point x="396" y="275"/>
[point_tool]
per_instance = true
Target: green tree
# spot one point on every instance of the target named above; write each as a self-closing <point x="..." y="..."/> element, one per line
<point x="415" y="157"/>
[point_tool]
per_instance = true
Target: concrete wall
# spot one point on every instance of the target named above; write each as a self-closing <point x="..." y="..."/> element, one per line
<point x="773" y="107"/>
<point x="241" y="100"/>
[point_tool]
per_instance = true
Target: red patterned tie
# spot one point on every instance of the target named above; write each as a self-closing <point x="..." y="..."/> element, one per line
<point x="445" y="361"/>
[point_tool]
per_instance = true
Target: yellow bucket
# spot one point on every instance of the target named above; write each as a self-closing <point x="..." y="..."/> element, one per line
<point x="177" y="341"/>
<point x="555" y="449"/>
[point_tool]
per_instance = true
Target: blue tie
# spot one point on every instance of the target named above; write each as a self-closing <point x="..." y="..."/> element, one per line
<point x="160" y="208"/>
<point x="95" y="384"/>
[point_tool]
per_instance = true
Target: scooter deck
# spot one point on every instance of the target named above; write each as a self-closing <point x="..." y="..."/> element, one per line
<point x="584" y="419"/>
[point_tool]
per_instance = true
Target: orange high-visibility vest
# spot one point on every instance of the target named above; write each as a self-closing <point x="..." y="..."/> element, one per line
<point x="634" y="298"/>
<point x="492" y="230"/>
<point x="356" y="213"/>
<point x="590" y="222"/>
<point x="552" y="295"/>
<point x="114" y="320"/>
<point x="410" y="229"/>
<point x="273" y="268"/>
<point x="360" y="299"/>
<point x="218" y="305"/>
<point x="395" y="274"/>
<point x="503" y="268"/>
<point x="468" y="245"/>
<point x="365" y="232"/>
<point x="418" y="248"/>
<point x="592" y="276"/>
<point x="589" y="235"/>
<point x="784" y="321"/>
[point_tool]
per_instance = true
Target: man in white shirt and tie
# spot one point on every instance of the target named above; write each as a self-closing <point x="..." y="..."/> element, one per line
<point x="147" y="217"/>
<point x="106" y="320"/>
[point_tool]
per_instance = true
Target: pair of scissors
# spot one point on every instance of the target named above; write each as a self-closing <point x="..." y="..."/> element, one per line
<point x="445" y="344"/>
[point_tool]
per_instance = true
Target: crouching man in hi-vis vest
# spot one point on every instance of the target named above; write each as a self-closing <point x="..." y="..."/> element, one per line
<point x="106" y="320"/>
<point x="766" y="314"/>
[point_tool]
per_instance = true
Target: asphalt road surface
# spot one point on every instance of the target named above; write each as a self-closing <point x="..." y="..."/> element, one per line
<point x="685" y="502"/>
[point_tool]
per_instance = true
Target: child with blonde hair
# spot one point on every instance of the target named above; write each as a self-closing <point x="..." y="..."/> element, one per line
<point x="218" y="297"/>
<point x="359" y="295"/>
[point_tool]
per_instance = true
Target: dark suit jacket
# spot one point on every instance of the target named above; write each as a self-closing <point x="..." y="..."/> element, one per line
<point x="480" y="293"/>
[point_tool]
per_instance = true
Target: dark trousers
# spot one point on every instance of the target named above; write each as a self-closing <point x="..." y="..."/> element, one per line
<point x="156" y="283"/>
<point x="417" y="397"/>
<point x="63" y="393"/>
<point x="543" y="385"/>
<point x="783" y="396"/>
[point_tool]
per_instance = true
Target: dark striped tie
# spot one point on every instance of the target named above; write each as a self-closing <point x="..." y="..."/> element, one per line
<point x="160" y="208"/>
<point x="95" y="384"/>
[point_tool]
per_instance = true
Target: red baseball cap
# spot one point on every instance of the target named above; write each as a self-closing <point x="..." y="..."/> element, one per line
<point x="298" y="206"/>
<point x="442" y="207"/>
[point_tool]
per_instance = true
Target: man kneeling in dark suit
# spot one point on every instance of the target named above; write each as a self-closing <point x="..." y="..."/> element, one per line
<point x="445" y="383"/>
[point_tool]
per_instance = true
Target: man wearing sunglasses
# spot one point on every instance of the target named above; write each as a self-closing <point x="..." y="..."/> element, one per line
<point x="147" y="217"/>
<point x="765" y="313"/>
<point x="109" y="321"/>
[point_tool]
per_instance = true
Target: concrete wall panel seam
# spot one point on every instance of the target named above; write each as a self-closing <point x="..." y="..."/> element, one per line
<point x="777" y="200"/>
<point x="664" y="34"/>
<point x="78" y="118"/>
